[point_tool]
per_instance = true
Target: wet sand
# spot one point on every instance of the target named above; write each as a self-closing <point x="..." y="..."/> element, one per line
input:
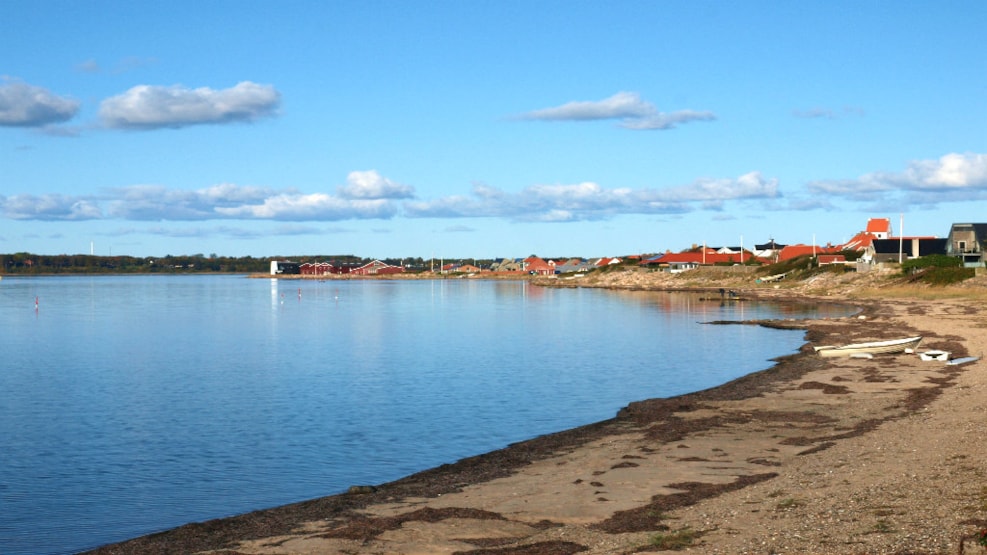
<point x="813" y="455"/>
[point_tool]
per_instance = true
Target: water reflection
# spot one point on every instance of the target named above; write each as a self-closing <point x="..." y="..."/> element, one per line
<point x="184" y="398"/>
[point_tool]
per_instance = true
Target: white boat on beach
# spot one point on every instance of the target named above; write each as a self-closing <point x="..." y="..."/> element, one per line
<point x="934" y="354"/>
<point x="873" y="347"/>
<point x="769" y="279"/>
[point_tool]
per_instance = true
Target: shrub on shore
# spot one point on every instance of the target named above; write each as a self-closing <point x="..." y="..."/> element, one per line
<point x="936" y="269"/>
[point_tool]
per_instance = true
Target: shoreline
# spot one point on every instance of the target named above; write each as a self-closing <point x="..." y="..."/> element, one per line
<point x="751" y="466"/>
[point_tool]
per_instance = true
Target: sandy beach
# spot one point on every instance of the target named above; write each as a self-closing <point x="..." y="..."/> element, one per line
<point x="813" y="455"/>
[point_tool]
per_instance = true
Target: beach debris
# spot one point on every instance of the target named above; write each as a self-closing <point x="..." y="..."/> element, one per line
<point x="961" y="360"/>
<point x="357" y="490"/>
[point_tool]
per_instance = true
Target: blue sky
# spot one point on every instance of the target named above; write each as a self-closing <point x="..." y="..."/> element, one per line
<point x="484" y="128"/>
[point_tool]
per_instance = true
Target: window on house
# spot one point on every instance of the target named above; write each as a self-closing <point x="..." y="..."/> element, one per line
<point x="961" y="245"/>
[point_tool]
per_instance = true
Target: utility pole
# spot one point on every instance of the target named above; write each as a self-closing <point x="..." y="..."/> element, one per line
<point x="901" y="236"/>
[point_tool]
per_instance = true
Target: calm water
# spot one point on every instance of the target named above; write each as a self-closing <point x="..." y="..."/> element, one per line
<point x="130" y="405"/>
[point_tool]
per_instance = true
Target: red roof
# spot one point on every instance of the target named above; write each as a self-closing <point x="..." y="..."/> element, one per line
<point x="538" y="265"/>
<point x="879" y="225"/>
<point x="792" y="251"/>
<point x="831" y="258"/>
<point x="376" y="267"/>
<point x="710" y="257"/>
<point x="859" y="241"/>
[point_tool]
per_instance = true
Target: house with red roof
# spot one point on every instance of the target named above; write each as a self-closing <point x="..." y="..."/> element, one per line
<point x="878" y="244"/>
<point x="880" y="228"/>
<point x="376" y="268"/>
<point x="537" y="266"/>
<point x="859" y="242"/>
<point x="825" y="259"/>
<point x="877" y="228"/>
<point x="605" y="261"/>
<point x="315" y="268"/>
<point x="794" y="251"/>
<point x="703" y="256"/>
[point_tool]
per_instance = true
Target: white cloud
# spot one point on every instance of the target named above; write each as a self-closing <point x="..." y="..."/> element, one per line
<point x="951" y="178"/>
<point x="371" y="185"/>
<point x="219" y="202"/>
<point x="49" y="207"/>
<point x="590" y="201"/>
<point x="156" y="202"/>
<point x="620" y="105"/>
<point x="316" y="206"/>
<point x="952" y="171"/>
<point x="154" y="107"/>
<point x="748" y="186"/>
<point x="24" y="105"/>
<point x="628" y="107"/>
<point x="232" y="232"/>
<point x="229" y="201"/>
<point x="667" y="121"/>
<point x="538" y="202"/>
<point x="867" y="187"/>
<point x="553" y="216"/>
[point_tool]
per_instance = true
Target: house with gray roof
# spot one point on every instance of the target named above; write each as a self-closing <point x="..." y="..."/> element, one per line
<point x="968" y="242"/>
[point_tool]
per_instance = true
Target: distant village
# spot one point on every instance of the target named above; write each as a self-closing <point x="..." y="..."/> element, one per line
<point x="875" y="244"/>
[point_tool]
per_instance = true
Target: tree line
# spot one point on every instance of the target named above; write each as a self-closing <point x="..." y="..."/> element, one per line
<point x="37" y="264"/>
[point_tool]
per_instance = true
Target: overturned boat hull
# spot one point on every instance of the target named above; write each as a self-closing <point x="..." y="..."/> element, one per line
<point x="890" y="346"/>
